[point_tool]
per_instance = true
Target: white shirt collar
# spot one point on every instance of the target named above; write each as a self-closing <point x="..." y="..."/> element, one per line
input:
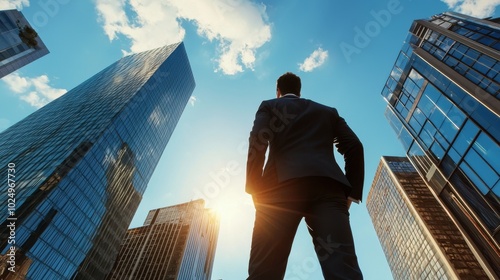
<point x="289" y="94"/>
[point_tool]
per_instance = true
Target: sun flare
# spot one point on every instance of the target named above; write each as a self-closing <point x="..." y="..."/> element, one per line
<point x="230" y="207"/>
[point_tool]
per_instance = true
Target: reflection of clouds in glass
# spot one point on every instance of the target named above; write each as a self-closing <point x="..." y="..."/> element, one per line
<point x="396" y="74"/>
<point x="414" y="75"/>
<point x="38" y="176"/>
<point x="480" y="148"/>
<point x="156" y="117"/>
<point x="417" y="112"/>
<point x="108" y="157"/>
<point x="151" y="151"/>
<point x="118" y="79"/>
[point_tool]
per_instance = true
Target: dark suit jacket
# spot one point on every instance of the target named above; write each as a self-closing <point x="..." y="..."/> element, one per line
<point x="300" y="134"/>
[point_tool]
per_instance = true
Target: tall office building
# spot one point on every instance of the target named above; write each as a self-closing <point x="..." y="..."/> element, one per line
<point x="418" y="237"/>
<point x="443" y="102"/>
<point x="176" y="242"/>
<point x="19" y="42"/>
<point x="83" y="161"/>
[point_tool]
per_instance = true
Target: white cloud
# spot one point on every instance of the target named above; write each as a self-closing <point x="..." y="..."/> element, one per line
<point x="13" y="4"/>
<point x="316" y="59"/>
<point x="475" y="8"/>
<point x="16" y="83"/>
<point x="238" y="26"/>
<point x="35" y="91"/>
<point x="33" y="99"/>
<point x="192" y="100"/>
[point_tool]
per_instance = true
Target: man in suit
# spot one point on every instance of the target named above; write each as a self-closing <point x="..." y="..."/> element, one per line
<point x="302" y="179"/>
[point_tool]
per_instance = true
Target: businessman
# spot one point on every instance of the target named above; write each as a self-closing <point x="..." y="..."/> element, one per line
<point x="301" y="179"/>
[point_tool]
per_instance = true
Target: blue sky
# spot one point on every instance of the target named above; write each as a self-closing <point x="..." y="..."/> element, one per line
<point x="343" y="51"/>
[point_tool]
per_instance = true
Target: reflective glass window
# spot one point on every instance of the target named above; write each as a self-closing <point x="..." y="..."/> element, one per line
<point x="488" y="150"/>
<point x="479" y="184"/>
<point x="484" y="64"/>
<point x="481" y="168"/>
<point x="437" y="151"/>
<point x="496" y="190"/>
<point x="465" y="137"/>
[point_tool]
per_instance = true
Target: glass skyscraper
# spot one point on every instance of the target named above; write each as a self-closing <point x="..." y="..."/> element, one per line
<point x="443" y="98"/>
<point x="418" y="237"/>
<point x="176" y="242"/>
<point x="19" y="42"/>
<point x="83" y="161"/>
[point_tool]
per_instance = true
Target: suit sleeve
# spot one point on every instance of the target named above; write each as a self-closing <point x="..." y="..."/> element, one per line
<point x="258" y="143"/>
<point x="349" y="145"/>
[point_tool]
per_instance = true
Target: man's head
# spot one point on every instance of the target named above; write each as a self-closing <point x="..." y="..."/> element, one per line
<point x="288" y="83"/>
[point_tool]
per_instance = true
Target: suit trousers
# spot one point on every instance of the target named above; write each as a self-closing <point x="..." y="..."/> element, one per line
<point x="322" y="202"/>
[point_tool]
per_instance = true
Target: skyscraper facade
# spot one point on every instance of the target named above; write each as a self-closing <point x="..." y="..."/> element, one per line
<point x="443" y="102"/>
<point x="418" y="237"/>
<point x="79" y="165"/>
<point x="19" y="42"/>
<point x="176" y="242"/>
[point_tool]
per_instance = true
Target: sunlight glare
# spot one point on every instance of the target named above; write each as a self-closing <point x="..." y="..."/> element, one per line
<point x="230" y="207"/>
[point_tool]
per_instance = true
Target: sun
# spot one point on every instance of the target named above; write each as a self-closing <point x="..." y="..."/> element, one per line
<point x="230" y="206"/>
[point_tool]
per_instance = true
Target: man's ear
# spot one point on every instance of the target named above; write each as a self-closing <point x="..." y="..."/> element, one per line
<point x="278" y="93"/>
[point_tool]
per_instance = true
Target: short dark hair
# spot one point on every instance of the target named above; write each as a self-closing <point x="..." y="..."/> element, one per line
<point x="289" y="83"/>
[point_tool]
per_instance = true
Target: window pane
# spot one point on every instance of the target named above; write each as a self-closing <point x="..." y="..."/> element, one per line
<point x="448" y="165"/>
<point x="419" y="116"/>
<point x="486" y="40"/>
<point x="496" y="189"/>
<point x="454" y="155"/>
<point x="456" y="116"/>
<point x="414" y="124"/>
<point x="437" y="150"/>
<point x="481" y="168"/>
<point x="427" y="134"/>
<point x="425" y="105"/>
<point x="465" y="137"/>
<point x="470" y="56"/>
<point x="489" y="150"/>
<point x="484" y="63"/>
<point x="437" y="117"/>
<point x="405" y="138"/>
<point x="448" y="130"/>
<point x="473" y="76"/>
<point x="402" y="60"/>
<point x="474" y="178"/>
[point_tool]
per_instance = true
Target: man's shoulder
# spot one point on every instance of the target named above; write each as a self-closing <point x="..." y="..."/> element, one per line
<point x="321" y="106"/>
<point x="298" y="100"/>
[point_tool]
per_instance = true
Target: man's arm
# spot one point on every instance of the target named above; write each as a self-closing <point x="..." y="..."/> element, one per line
<point x="258" y="143"/>
<point x="350" y="147"/>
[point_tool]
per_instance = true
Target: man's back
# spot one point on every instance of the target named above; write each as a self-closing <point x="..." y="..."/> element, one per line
<point x="301" y="179"/>
<point x="301" y="134"/>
